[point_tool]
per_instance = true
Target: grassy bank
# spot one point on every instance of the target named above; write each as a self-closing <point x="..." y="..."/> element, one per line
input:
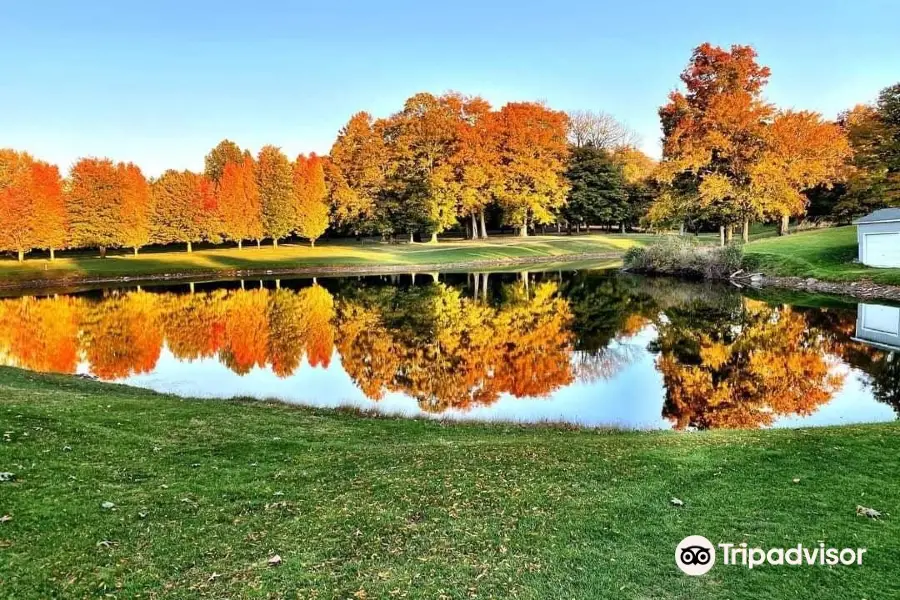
<point x="286" y="256"/>
<point x="826" y="254"/>
<point x="206" y="492"/>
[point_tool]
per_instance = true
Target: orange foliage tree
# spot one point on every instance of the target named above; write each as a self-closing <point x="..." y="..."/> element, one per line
<point x="17" y="221"/>
<point x="122" y="335"/>
<point x="533" y="152"/>
<point x="134" y="202"/>
<point x="356" y="172"/>
<point x="238" y="202"/>
<point x="94" y="204"/>
<point x="310" y="197"/>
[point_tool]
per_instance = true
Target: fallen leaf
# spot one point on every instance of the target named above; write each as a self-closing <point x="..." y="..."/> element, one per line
<point x="676" y="502"/>
<point x="274" y="561"/>
<point x="864" y="511"/>
<point x="107" y="505"/>
<point x="796" y="480"/>
<point x="5" y="518"/>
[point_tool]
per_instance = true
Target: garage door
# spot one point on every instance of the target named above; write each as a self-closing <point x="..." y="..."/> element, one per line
<point x="883" y="249"/>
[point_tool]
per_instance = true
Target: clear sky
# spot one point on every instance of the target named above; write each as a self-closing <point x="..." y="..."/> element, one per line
<point x="160" y="82"/>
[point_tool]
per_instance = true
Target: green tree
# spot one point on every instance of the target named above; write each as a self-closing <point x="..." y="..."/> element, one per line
<point x="597" y="193"/>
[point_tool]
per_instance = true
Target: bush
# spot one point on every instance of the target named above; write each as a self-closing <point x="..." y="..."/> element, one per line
<point x="675" y="255"/>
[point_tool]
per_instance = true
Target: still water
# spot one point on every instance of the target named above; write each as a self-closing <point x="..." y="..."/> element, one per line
<point x="591" y="348"/>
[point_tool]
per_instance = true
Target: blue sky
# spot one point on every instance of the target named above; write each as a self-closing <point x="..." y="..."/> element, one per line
<point x="159" y="83"/>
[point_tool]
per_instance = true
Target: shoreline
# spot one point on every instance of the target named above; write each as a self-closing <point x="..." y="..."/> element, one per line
<point x="861" y="290"/>
<point x="310" y="271"/>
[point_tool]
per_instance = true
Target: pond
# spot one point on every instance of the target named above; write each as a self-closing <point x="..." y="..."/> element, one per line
<point x="594" y="348"/>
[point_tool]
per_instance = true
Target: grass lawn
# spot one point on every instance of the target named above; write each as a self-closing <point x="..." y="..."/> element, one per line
<point x="825" y="254"/>
<point x="357" y="507"/>
<point x="343" y="253"/>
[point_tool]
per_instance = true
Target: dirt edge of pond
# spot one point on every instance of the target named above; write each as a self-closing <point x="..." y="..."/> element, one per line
<point x="864" y="290"/>
<point x="311" y="271"/>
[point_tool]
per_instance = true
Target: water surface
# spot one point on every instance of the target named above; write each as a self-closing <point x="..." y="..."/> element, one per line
<point x="589" y="348"/>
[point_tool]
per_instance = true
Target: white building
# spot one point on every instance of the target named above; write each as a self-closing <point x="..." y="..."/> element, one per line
<point x="878" y="235"/>
<point x="878" y="325"/>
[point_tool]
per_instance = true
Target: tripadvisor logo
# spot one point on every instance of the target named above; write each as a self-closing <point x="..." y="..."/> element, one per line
<point x="696" y="555"/>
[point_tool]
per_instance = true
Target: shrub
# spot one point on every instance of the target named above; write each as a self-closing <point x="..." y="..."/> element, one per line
<point x="675" y="255"/>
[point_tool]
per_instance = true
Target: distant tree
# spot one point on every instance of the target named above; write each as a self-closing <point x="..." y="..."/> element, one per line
<point x="17" y="221"/>
<point x="310" y="197"/>
<point x="533" y="154"/>
<point x="639" y="171"/>
<point x="874" y="133"/>
<point x="597" y="192"/>
<point x="94" y="204"/>
<point x="600" y="130"/>
<point x="51" y="222"/>
<point x="225" y="152"/>
<point x="180" y="205"/>
<point x="802" y="151"/>
<point x="134" y="203"/>
<point x="356" y="172"/>
<point x="238" y="202"/>
<point x="275" y="179"/>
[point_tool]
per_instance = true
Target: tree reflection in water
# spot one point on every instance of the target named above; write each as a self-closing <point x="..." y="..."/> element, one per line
<point x="725" y="360"/>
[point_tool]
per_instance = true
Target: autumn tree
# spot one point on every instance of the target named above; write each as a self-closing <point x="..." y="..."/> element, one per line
<point x="99" y="214"/>
<point x="135" y="203"/>
<point x="355" y="172"/>
<point x="310" y="197"/>
<point x="639" y="172"/>
<point x="471" y="172"/>
<point x="224" y="153"/>
<point x="533" y="153"/>
<point x="238" y="202"/>
<point x="17" y="221"/>
<point x="51" y="221"/>
<point x="274" y="177"/>
<point x="714" y="133"/>
<point x="802" y="151"/>
<point x="181" y="206"/>
<point x="874" y="134"/>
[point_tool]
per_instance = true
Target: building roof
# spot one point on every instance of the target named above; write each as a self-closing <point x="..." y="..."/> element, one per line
<point x="881" y="216"/>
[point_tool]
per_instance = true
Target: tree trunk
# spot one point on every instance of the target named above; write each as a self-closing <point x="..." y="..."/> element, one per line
<point x="242" y="284"/>
<point x="484" y="286"/>
<point x="434" y="238"/>
<point x="729" y="232"/>
<point x="523" y="232"/>
<point x="785" y="225"/>
<point x="721" y="235"/>
<point x="411" y="237"/>
<point x="745" y="232"/>
<point x="52" y="254"/>
<point x="135" y="250"/>
<point x="21" y="255"/>
<point x="622" y="227"/>
<point x="102" y="251"/>
<point x="483" y="227"/>
<point x="681" y="228"/>
<point x="191" y="285"/>
<point x="274" y="242"/>
<point x="240" y="244"/>
<point x="474" y="227"/>
<point x="258" y="243"/>
<point x="190" y="247"/>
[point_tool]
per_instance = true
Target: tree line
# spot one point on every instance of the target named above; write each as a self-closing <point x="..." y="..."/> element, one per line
<point x="454" y="162"/>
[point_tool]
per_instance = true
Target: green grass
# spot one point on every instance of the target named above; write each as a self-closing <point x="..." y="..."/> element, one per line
<point x="359" y="507"/>
<point x="826" y="254"/>
<point x="336" y="254"/>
